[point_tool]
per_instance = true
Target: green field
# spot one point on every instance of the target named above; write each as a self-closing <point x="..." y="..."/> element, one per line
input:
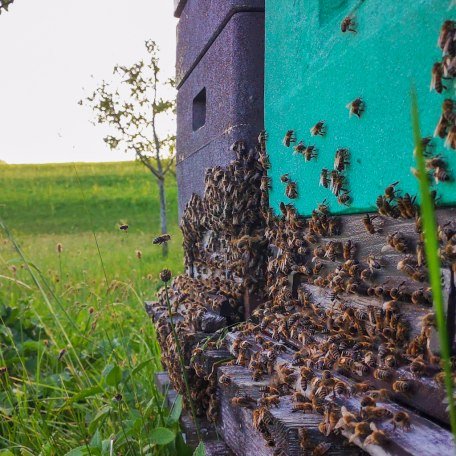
<point x="79" y="349"/>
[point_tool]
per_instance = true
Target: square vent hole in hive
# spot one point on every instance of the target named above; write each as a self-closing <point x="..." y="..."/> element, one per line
<point x="199" y="110"/>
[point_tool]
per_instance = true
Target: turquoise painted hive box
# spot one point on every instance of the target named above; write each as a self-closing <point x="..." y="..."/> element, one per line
<point x="314" y="71"/>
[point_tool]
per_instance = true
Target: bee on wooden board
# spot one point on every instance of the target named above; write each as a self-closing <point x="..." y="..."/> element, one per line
<point x="377" y="437"/>
<point x="289" y="138"/>
<point x="321" y="449"/>
<point x="356" y="107"/>
<point x="319" y="129"/>
<point x="348" y="24"/>
<point x="243" y="401"/>
<point x="401" y="420"/>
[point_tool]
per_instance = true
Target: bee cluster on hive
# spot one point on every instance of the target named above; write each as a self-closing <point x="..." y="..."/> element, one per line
<point x="343" y="340"/>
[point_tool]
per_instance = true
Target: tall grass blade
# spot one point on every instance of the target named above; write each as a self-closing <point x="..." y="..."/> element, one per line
<point x="432" y="256"/>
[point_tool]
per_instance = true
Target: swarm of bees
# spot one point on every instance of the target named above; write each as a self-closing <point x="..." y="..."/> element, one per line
<point x="306" y="335"/>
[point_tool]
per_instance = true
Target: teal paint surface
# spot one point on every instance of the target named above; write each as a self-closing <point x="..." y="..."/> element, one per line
<point x="313" y="70"/>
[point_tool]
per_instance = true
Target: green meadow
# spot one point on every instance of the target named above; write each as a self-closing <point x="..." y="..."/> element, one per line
<point x="77" y="351"/>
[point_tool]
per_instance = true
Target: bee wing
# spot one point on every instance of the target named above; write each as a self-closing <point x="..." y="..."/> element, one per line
<point x="373" y="426"/>
<point x="433" y="81"/>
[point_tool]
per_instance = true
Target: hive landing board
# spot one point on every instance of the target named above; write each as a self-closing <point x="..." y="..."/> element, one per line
<point x="313" y="71"/>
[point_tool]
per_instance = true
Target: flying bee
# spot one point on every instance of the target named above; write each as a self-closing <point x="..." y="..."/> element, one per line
<point x="310" y="152"/>
<point x="344" y="199"/>
<point x="324" y="178"/>
<point x="163" y="239"/>
<point x="62" y="353"/>
<point x="225" y="380"/>
<point x="403" y="386"/>
<point x="319" y="129"/>
<point x="401" y="420"/>
<point x="123" y="227"/>
<point x="390" y="191"/>
<point x="299" y="148"/>
<point x="356" y="107"/>
<point x="348" y="24"/>
<point x="376" y="437"/>
<point x="437" y="76"/>
<point x="289" y="138"/>
<point x="368" y="223"/>
<point x="341" y="160"/>
<point x="291" y="190"/>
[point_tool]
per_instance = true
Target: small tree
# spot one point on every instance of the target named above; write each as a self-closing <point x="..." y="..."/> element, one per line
<point x="134" y="114"/>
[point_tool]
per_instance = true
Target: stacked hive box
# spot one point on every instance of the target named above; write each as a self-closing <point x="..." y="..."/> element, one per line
<point x="220" y="61"/>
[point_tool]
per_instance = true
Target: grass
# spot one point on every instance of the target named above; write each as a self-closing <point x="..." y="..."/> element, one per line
<point x="77" y="351"/>
<point x="433" y="258"/>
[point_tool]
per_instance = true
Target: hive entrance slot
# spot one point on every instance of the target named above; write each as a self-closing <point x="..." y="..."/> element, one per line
<point x="199" y="110"/>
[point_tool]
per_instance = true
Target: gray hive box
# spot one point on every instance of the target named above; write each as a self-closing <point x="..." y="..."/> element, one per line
<point x="220" y="79"/>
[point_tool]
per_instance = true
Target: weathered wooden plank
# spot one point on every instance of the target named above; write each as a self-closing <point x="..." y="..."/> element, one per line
<point x="284" y="424"/>
<point x="404" y="442"/>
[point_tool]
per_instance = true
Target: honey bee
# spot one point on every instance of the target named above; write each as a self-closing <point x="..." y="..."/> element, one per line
<point x="341" y="159"/>
<point x="269" y="401"/>
<point x="383" y="374"/>
<point x="163" y="239"/>
<point x="123" y="227"/>
<point x="318" y="129"/>
<point x="446" y="35"/>
<point x="356" y="107"/>
<point x="321" y="449"/>
<point x="358" y="388"/>
<point x="344" y="199"/>
<point x="398" y="242"/>
<point x="368" y="401"/>
<point x="265" y="184"/>
<point x="324" y="178"/>
<point x="262" y="138"/>
<point x="406" y="206"/>
<point x="450" y="141"/>
<point x="243" y="401"/>
<point x="291" y="190"/>
<point x="341" y="388"/>
<point x="310" y="152"/>
<point x="337" y="182"/>
<point x="303" y="437"/>
<point x="373" y="262"/>
<point x="289" y="138"/>
<point x="441" y="128"/>
<point x="305" y="407"/>
<point x="299" y="148"/>
<point x="62" y="353"/>
<point x="377" y="437"/>
<point x="441" y="175"/>
<point x="390" y="191"/>
<point x="401" y="420"/>
<point x="436" y="79"/>
<point x="297" y="396"/>
<point x="348" y="24"/>
<point x="347" y="420"/>
<point x="349" y="250"/>
<point x="360" y="430"/>
<point x="403" y="386"/>
<point x="374" y="413"/>
<point x="285" y="178"/>
<point x="368" y="223"/>
<point x="385" y="208"/>
<point x="379" y="395"/>
<point x="225" y="380"/>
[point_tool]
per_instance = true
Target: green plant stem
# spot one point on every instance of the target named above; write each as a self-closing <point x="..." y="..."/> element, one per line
<point x="182" y="361"/>
<point x="433" y="258"/>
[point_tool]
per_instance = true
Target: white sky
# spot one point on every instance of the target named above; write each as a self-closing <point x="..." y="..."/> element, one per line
<point x="49" y="49"/>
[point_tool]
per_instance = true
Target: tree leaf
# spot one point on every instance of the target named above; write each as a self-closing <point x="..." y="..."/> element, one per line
<point x="161" y="436"/>
<point x="112" y="374"/>
<point x="200" y="450"/>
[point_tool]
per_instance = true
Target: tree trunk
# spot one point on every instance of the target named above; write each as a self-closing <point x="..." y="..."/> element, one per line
<point x="161" y="188"/>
